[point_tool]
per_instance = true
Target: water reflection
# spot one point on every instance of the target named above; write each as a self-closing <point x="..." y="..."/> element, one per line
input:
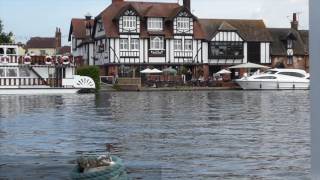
<point x="172" y="135"/>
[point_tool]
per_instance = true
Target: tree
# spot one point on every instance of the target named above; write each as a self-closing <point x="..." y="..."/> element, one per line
<point x="5" y="37"/>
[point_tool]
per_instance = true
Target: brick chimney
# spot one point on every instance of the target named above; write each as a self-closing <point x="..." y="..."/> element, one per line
<point x="294" y="22"/>
<point x="58" y="38"/>
<point x="187" y="4"/>
<point x="88" y="25"/>
<point x="113" y="1"/>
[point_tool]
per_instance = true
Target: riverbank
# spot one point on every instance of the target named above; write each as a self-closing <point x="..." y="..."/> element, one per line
<point x="178" y="88"/>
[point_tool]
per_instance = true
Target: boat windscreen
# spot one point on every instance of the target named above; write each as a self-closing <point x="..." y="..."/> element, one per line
<point x="271" y="72"/>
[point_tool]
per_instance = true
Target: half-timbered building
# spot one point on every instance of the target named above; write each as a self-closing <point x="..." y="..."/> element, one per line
<point x="129" y="36"/>
<point x="140" y="34"/>
<point x="230" y="42"/>
<point x="290" y="48"/>
<point x="80" y="35"/>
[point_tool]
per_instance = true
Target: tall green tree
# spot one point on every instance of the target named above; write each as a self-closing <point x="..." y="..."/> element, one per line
<point x="5" y="37"/>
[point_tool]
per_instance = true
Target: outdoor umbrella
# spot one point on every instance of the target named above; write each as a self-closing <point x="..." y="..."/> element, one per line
<point x="249" y="66"/>
<point x="155" y="71"/>
<point x="170" y="71"/>
<point x="146" y="71"/>
<point x="223" y="71"/>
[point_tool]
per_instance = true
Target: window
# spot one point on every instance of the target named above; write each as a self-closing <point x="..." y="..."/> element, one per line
<point x="1" y="51"/>
<point x="134" y="44"/>
<point x="289" y="44"/>
<point x="155" y="24"/>
<point x="183" y="23"/>
<point x="24" y="72"/>
<point x="42" y="52"/>
<point x="157" y="43"/>
<point x="2" y="73"/>
<point x="74" y="43"/>
<point x="295" y="74"/>
<point x="290" y="60"/>
<point x="266" y="77"/>
<point x="178" y="44"/>
<point x="124" y="44"/>
<point x="11" y="72"/>
<point x="100" y="27"/>
<point x="129" y="22"/>
<point x="226" y="50"/>
<point x="11" y="51"/>
<point x="188" y="45"/>
<point x="271" y="72"/>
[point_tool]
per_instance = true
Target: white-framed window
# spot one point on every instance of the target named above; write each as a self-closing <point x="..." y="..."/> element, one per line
<point x="155" y="24"/>
<point x="12" y="72"/>
<point x="124" y="44"/>
<point x="129" y="22"/>
<point x="183" y="23"/>
<point x="157" y="43"/>
<point x="42" y="52"/>
<point x="74" y="43"/>
<point x="134" y="44"/>
<point x="24" y="72"/>
<point x="2" y="72"/>
<point x="289" y="44"/>
<point x="177" y="44"/>
<point x="290" y="60"/>
<point x="100" y="27"/>
<point x="188" y="45"/>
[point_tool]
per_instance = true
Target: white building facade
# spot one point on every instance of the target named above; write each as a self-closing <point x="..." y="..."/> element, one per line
<point x="143" y="34"/>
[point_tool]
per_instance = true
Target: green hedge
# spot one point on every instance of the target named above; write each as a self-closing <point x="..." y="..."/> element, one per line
<point x="90" y="71"/>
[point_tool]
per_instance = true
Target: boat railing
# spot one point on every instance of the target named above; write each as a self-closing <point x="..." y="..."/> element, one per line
<point x="34" y="60"/>
<point x="50" y="82"/>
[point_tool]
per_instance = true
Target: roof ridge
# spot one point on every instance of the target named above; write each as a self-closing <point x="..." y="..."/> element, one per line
<point x="150" y="2"/>
<point x="231" y="19"/>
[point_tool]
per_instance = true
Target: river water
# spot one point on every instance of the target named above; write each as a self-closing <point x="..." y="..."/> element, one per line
<point x="160" y="135"/>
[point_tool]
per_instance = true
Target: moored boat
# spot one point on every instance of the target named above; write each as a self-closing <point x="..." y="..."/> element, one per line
<point x="277" y="79"/>
<point x="39" y="75"/>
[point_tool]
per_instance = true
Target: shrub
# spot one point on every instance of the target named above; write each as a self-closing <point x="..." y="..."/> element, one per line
<point x="90" y="71"/>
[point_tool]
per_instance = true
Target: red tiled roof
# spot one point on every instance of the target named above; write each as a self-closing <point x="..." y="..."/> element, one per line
<point x="78" y="28"/>
<point x="250" y="30"/>
<point x="144" y="9"/>
<point x="64" y="50"/>
<point x="41" y="42"/>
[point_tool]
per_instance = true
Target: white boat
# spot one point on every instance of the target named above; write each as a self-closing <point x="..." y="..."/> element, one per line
<point x="277" y="79"/>
<point x="39" y="75"/>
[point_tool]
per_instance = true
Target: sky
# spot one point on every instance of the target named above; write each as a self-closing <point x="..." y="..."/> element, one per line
<point x="29" y="18"/>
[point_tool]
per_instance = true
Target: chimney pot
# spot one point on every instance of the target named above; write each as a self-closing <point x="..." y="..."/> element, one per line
<point x="187" y="4"/>
<point x="295" y="22"/>
<point x="88" y="16"/>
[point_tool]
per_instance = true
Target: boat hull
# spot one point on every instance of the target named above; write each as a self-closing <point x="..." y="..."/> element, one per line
<point x="270" y="85"/>
<point x="37" y="91"/>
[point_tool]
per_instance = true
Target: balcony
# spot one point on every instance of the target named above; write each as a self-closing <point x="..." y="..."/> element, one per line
<point x="183" y="54"/>
<point x="129" y="53"/>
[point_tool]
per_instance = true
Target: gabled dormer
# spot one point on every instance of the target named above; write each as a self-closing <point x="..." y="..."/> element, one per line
<point x="227" y="32"/>
<point x="183" y="21"/>
<point x="129" y="20"/>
